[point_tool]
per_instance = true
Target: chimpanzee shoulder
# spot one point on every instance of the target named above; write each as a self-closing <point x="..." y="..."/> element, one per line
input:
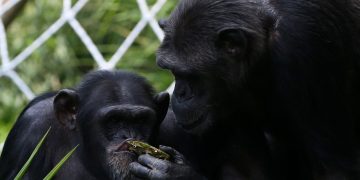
<point x="29" y="124"/>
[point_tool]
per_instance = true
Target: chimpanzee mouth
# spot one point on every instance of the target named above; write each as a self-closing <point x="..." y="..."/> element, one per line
<point x="123" y="146"/>
<point x="118" y="162"/>
<point x="194" y="124"/>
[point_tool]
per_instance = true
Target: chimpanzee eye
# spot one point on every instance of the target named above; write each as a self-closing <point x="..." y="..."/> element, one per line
<point x="232" y="41"/>
<point x="113" y="120"/>
<point x="111" y="128"/>
<point x="110" y="121"/>
<point x="232" y="48"/>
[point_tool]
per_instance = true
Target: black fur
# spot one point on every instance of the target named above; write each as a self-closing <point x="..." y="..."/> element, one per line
<point x="98" y="115"/>
<point x="270" y="88"/>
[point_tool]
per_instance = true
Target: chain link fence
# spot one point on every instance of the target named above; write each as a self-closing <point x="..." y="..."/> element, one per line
<point x="8" y="66"/>
<point x="68" y="16"/>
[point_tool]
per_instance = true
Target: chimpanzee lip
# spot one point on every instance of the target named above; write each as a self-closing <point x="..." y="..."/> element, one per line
<point x="123" y="146"/>
<point x="195" y="123"/>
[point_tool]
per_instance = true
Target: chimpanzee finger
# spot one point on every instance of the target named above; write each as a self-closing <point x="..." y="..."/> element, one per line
<point x="177" y="157"/>
<point x="139" y="170"/>
<point x="153" y="162"/>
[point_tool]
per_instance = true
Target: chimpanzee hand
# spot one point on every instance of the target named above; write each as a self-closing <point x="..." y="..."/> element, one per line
<point x="149" y="167"/>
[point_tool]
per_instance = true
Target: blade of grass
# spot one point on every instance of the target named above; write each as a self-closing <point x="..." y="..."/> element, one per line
<point x="1" y="147"/>
<point x="28" y="162"/>
<point x="58" y="166"/>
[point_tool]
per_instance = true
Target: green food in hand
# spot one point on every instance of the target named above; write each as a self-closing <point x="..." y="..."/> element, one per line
<point x="140" y="148"/>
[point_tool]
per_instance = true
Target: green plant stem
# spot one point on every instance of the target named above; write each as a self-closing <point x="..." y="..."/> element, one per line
<point x="59" y="165"/>
<point x="23" y="170"/>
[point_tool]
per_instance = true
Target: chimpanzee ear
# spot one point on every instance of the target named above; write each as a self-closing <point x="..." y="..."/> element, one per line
<point x="162" y="23"/>
<point x="162" y="104"/>
<point x="232" y="41"/>
<point x="65" y="106"/>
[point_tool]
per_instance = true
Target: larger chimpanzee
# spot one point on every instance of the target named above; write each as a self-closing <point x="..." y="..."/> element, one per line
<point x="269" y="89"/>
<point x="106" y="109"/>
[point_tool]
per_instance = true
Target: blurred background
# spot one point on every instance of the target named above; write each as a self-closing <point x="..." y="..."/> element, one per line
<point x="33" y="62"/>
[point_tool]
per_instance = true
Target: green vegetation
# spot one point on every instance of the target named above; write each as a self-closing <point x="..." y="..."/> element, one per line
<point x="140" y="148"/>
<point x="63" y="59"/>
<point x="53" y="172"/>
<point x="23" y="170"/>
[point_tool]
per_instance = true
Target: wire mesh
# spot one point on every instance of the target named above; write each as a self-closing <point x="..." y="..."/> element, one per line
<point x="68" y="16"/>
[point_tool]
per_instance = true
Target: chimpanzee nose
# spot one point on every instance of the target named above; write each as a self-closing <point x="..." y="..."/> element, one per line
<point x="131" y="136"/>
<point x="126" y="137"/>
<point x="182" y="91"/>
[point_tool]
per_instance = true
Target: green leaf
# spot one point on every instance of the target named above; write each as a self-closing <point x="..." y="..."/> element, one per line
<point x="28" y="162"/>
<point x="59" y="165"/>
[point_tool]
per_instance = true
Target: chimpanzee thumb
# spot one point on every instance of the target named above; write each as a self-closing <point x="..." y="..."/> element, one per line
<point x="176" y="157"/>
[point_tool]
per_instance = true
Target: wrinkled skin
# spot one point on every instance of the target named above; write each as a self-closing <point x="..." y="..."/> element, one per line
<point x="106" y="109"/>
<point x="264" y="89"/>
<point x="177" y="168"/>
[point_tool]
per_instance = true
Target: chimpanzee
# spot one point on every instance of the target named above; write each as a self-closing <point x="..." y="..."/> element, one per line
<point x="268" y="89"/>
<point x="107" y="108"/>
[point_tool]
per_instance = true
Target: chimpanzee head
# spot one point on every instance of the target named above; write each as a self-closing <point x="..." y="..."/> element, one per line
<point x="106" y="109"/>
<point x="212" y="47"/>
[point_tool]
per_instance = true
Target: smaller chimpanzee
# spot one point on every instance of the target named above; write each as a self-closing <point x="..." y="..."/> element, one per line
<point x="103" y="111"/>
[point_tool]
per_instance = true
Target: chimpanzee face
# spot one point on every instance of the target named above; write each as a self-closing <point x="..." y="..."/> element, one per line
<point x="114" y="107"/>
<point x="210" y="47"/>
<point x="125" y="110"/>
<point x="119" y="123"/>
